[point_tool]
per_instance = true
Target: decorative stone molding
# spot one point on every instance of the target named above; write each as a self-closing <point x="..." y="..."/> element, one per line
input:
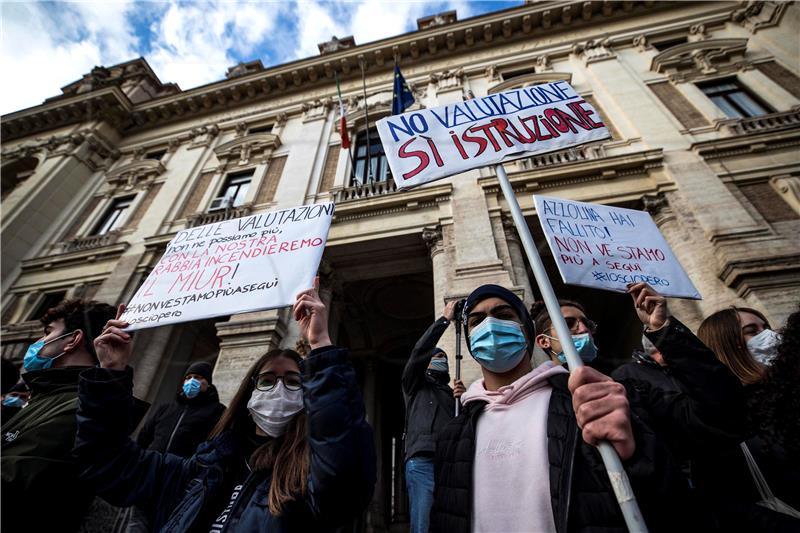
<point x="256" y="147"/>
<point x="440" y="19"/>
<point x="530" y="79"/>
<point x="244" y="68"/>
<point x="594" y="50"/>
<point x="658" y="206"/>
<point x="640" y="42"/>
<point x="448" y="79"/>
<point x="201" y="219"/>
<point x="788" y="187"/>
<point x="543" y="64"/>
<point x="336" y="44"/>
<point x="317" y="109"/>
<point x="756" y="16"/>
<point x="697" y="33"/>
<point x="686" y="62"/>
<point x="433" y="239"/>
<point x="491" y="73"/>
<point x="135" y="173"/>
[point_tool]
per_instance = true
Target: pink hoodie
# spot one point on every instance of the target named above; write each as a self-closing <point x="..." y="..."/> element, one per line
<point x="511" y="471"/>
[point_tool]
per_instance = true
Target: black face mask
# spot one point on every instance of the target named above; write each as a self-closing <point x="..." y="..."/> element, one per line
<point x="440" y="377"/>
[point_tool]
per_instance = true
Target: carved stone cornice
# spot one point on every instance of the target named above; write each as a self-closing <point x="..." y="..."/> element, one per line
<point x="756" y="16"/>
<point x="657" y="204"/>
<point x="448" y="79"/>
<point x="135" y="173"/>
<point x="594" y="50"/>
<point x="316" y="110"/>
<point x="256" y="147"/>
<point x="433" y="239"/>
<point x="685" y="62"/>
<point x="530" y="79"/>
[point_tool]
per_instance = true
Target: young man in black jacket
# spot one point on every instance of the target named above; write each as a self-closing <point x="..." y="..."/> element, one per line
<point x="180" y="426"/>
<point x="521" y="455"/>
<point x="430" y="405"/>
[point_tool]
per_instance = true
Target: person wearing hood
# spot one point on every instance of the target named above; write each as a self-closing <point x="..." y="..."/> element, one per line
<point x="521" y="455"/>
<point x="292" y="452"/>
<point x="180" y="426"/>
<point x="430" y="404"/>
<point x="37" y="464"/>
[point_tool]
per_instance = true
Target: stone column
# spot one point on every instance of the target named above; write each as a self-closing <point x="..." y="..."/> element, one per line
<point x="517" y="256"/>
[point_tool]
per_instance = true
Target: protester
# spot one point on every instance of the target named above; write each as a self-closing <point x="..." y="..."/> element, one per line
<point x="292" y="452"/>
<point x="648" y="365"/>
<point x="180" y="426"/>
<point x="14" y="400"/>
<point x="742" y="339"/>
<point x="429" y="406"/>
<point x="40" y="486"/>
<point x="514" y="459"/>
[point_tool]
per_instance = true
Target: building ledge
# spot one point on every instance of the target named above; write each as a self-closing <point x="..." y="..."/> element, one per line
<point x="89" y="255"/>
<point x="349" y="206"/>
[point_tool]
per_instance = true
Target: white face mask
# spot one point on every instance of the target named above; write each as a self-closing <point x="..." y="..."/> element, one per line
<point x="272" y="410"/>
<point x="764" y="346"/>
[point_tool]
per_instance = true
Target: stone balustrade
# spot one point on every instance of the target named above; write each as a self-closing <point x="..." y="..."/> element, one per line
<point x="201" y="219"/>
<point x="89" y="242"/>
<point x="364" y="191"/>
<point x="763" y="123"/>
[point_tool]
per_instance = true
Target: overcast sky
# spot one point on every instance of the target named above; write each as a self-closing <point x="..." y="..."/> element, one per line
<point x="46" y="45"/>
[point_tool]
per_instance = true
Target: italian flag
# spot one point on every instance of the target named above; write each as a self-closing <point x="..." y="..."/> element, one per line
<point x="343" y="119"/>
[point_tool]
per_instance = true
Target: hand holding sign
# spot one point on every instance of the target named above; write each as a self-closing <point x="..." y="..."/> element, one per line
<point x="650" y="306"/>
<point x="312" y="316"/>
<point x="113" y="346"/>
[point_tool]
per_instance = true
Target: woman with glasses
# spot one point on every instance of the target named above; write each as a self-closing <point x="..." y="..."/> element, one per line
<point x="292" y="452"/>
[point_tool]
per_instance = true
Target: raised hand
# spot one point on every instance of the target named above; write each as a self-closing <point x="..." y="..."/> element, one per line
<point x="650" y="305"/>
<point x="450" y="310"/>
<point x="312" y="316"/>
<point x="602" y="410"/>
<point x="113" y="346"/>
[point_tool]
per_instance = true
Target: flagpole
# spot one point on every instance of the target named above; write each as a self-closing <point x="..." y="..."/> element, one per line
<point x="619" y="479"/>
<point x="368" y="171"/>
<point x="341" y="112"/>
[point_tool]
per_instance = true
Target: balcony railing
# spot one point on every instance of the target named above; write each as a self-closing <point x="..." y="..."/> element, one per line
<point x="201" y="219"/>
<point x="762" y="123"/>
<point x="89" y="242"/>
<point x="365" y="190"/>
<point x="581" y="153"/>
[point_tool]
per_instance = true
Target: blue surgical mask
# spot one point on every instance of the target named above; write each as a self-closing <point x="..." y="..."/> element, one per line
<point x="34" y="361"/>
<point x="498" y="345"/>
<point x="13" y="401"/>
<point x="585" y="346"/>
<point x="191" y="387"/>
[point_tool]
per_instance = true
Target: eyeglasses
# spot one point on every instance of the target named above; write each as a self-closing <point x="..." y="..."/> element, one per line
<point x="266" y="381"/>
<point x="572" y="324"/>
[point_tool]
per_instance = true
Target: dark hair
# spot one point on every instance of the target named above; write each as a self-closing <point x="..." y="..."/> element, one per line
<point x="722" y="333"/>
<point x="287" y="456"/>
<point x="777" y="403"/>
<point x="88" y="316"/>
<point x="541" y="317"/>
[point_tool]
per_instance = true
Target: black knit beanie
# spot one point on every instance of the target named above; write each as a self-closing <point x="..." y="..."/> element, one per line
<point x="488" y="291"/>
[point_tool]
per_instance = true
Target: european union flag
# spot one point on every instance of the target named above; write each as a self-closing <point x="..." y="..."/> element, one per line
<point x="402" y="97"/>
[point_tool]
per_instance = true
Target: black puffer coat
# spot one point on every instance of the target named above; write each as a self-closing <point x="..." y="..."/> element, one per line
<point x="179" y="427"/>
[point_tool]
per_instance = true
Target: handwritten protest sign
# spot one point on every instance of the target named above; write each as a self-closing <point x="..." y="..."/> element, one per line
<point x="608" y="247"/>
<point x="431" y="144"/>
<point x="234" y="266"/>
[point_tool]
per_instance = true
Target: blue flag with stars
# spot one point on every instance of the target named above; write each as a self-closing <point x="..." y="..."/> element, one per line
<point x="402" y="97"/>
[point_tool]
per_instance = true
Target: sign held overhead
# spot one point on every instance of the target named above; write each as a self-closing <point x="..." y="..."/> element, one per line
<point x="234" y="266"/>
<point x="607" y="247"/>
<point x="430" y="144"/>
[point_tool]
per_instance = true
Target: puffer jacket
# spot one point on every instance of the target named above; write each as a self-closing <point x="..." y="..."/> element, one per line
<point x="179" y="427"/>
<point x="179" y="494"/>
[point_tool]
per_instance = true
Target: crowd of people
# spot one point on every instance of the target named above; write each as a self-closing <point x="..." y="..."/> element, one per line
<point x="705" y="426"/>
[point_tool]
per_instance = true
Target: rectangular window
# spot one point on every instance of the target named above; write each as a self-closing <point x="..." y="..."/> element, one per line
<point x="267" y="128"/>
<point x="114" y="217"/>
<point x="734" y="100"/>
<point x="51" y="299"/>
<point x="234" y="191"/>
<point x="379" y="168"/>
<point x="156" y="156"/>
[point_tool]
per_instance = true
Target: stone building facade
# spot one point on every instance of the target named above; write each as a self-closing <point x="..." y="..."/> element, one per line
<point x="702" y="98"/>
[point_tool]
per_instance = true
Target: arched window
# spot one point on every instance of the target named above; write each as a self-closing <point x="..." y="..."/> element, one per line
<point x="379" y="167"/>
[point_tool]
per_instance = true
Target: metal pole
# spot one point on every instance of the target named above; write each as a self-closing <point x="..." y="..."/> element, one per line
<point x="619" y="479"/>
<point x="459" y="309"/>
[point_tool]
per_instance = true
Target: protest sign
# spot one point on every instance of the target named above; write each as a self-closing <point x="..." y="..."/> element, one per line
<point x="608" y="247"/>
<point x="234" y="266"/>
<point x="430" y="144"/>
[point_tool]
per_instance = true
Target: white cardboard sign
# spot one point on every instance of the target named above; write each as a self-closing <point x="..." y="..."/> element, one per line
<point x="607" y="247"/>
<point x="430" y="144"/>
<point x="234" y="266"/>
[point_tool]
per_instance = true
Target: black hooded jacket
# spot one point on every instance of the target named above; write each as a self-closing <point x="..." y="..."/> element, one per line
<point x="429" y="403"/>
<point x="179" y="427"/>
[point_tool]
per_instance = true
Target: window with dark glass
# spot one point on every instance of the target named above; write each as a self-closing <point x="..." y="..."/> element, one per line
<point x="51" y="299"/>
<point x="734" y="100"/>
<point x="267" y="128"/>
<point x="379" y="168"/>
<point x="114" y="217"/>
<point x="156" y="155"/>
<point x="664" y="45"/>
<point x="233" y="191"/>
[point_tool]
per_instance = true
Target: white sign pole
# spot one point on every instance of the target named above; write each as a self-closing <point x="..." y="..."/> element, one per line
<point x="619" y="479"/>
